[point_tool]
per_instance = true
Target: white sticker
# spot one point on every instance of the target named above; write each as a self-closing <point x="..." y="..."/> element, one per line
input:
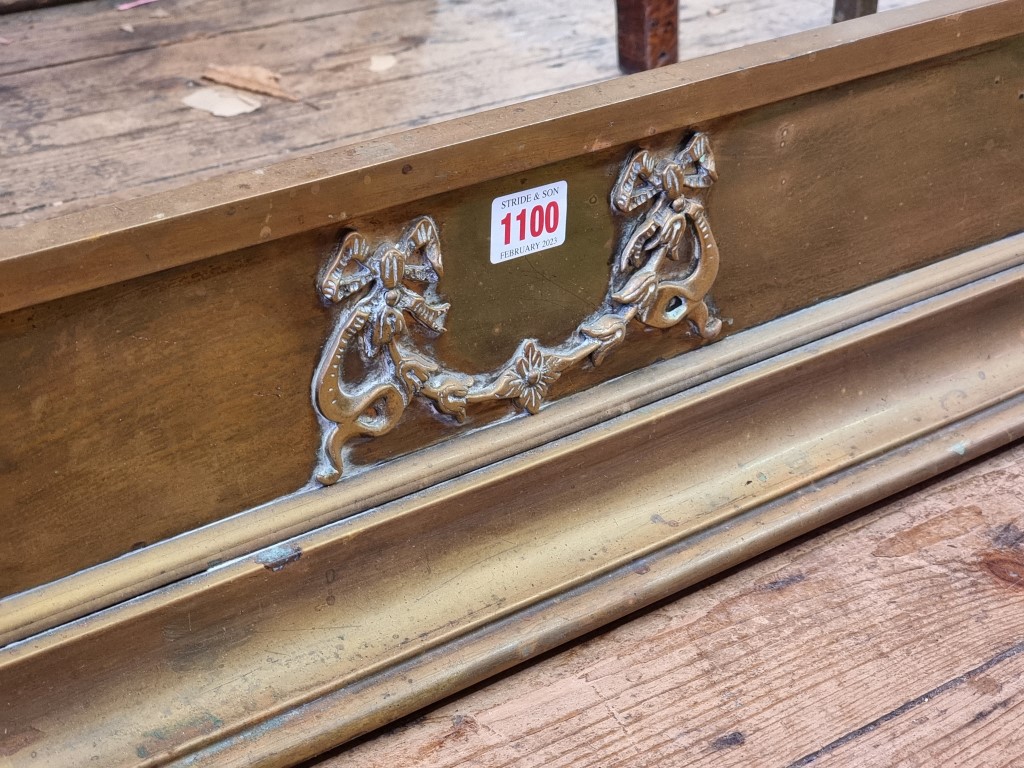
<point x="528" y="222"/>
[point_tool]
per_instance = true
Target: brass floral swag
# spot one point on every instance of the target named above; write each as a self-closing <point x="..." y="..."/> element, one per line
<point x="372" y="368"/>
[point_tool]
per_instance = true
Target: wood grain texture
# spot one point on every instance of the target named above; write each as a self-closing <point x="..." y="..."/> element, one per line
<point x="896" y="638"/>
<point x="93" y="114"/>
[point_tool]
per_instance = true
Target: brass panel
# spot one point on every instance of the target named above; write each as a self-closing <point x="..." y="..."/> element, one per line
<point x="813" y="194"/>
<point x="275" y="656"/>
<point x="29" y="612"/>
<point x="137" y="412"/>
<point x="350" y="712"/>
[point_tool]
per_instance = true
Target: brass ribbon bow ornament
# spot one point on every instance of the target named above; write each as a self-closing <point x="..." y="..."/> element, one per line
<point x="661" y="276"/>
<point x="376" y="322"/>
<point x="657" y="246"/>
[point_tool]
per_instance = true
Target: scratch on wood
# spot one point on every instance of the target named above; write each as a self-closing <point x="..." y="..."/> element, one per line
<point x="785" y="581"/>
<point x="462" y="727"/>
<point x="948" y="525"/>
<point x="986" y="712"/>
<point x="949" y="685"/>
<point x="733" y="739"/>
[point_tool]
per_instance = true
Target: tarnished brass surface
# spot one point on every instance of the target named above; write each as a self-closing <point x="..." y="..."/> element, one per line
<point x="36" y="610"/>
<point x="314" y="630"/>
<point x="170" y="601"/>
<point x="151" y="408"/>
<point x="661" y="275"/>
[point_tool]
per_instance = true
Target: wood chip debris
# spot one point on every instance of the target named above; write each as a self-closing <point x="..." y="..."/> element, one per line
<point x="5" y="41"/>
<point x="133" y="4"/>
<point x="382" y="63"/>
<point x="248" y="78"/>
<point x="127" y="28"/>
<point x="221" y="102"/>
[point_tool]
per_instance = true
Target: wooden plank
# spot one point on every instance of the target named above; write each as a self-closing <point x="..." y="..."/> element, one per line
<point x="450" y="59"/>
<point x="975" y="720"/>
<point x="895" y="638"/>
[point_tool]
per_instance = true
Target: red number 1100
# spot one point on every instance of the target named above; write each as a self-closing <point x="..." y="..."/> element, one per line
<point x="542" y="219"/>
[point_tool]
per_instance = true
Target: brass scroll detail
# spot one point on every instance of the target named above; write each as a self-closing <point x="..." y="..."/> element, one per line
<point x="371" y="367"/>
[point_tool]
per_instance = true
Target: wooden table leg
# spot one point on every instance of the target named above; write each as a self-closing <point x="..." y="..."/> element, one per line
<point x="648" y="33"/>
<point x="852" y="9"/>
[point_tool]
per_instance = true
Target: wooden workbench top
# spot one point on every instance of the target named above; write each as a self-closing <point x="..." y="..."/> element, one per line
<point x="91" y="97"/>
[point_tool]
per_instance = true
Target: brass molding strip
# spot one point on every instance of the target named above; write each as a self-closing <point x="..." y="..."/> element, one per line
<point x="110" y="244"/>
<point x="32" y="611"/>
<point x="345" y="714"/>
<point x="441" y="588"/>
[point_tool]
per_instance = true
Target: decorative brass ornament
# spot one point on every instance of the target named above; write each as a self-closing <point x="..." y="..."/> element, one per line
<point x="371" y="367"/>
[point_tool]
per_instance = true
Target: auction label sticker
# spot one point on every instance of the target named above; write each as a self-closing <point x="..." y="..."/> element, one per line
<point x="528" y="222"/>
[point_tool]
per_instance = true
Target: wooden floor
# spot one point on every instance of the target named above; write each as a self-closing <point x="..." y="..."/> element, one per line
<point x="91" y="105"/>
<point x="896" y="638"/>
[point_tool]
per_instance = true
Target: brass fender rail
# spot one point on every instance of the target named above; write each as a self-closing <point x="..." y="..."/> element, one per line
<point x="276" y="656"/>
<point x="119" y="380"/>
<point x="35" y="610"/>
<point x="204" y="607"/>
